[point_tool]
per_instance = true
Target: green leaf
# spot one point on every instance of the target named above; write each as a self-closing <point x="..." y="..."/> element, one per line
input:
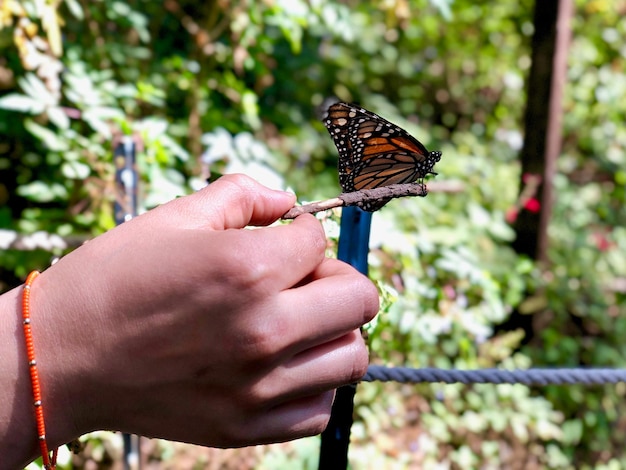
<point x="41" y="192"/>
<point x="22" y="103"/>
<point x="58" y="117"/>
<point x="75" y="170"/>
<point x="53" y="141"/>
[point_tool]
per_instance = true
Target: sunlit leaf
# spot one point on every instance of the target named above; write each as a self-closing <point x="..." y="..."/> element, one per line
<point x="22" y="103"/>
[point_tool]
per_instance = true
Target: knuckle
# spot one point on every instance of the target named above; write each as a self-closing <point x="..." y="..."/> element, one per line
<point x="361" y="362"/>
<point x="240" y="186"/>
<point x="367" y="295"/>
<point x="248" y="277"/>
<point x="371" y="300"/>
<point x="244" y="272"/>
<point x="237" y="179"/>
<point x="318" y="241"/>
<point x="311" y="235"/>
<point x="317" y="426"/>
<point x="262" y="342"/>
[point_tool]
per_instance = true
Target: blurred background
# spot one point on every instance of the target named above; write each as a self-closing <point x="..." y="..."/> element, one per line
<point x="213" y="87"/>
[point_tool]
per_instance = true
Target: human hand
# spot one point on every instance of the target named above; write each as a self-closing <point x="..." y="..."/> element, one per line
<point x="181" y="324"/>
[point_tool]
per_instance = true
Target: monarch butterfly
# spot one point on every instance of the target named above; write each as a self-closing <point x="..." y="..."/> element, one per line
<point x="373" y="152"/>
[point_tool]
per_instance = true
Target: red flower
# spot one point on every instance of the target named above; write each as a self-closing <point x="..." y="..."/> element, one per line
<point x="532" y="205"/>
<point x="602" y="242"/>
<point x="511" y="215"/>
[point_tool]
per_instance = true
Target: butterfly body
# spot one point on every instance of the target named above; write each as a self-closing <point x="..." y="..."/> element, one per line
<point x="374" y="152"/>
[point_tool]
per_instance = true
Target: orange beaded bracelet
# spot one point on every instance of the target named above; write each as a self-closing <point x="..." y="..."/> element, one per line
<point x="49" y="462"/>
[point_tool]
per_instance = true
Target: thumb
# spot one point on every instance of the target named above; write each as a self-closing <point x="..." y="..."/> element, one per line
<point x="235" y="201"/>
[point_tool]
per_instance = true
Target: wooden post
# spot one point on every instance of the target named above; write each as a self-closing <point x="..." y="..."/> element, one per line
<point x="542" y="121"/>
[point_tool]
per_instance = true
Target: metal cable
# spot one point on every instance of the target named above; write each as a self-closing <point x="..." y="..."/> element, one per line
<point x="497" y="376"/>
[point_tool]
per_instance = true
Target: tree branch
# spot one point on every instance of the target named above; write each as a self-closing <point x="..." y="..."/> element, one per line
<point x="358" y="197"/>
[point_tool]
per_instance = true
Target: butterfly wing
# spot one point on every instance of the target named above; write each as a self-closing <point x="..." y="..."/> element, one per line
<point x="338" y="122"/>
<point x="374" y="152"/>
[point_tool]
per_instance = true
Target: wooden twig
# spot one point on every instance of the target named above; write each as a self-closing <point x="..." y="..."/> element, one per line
<point x="359" y="197"/>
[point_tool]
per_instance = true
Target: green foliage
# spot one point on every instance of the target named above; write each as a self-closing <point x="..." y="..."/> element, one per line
<point x="215" y="87"/>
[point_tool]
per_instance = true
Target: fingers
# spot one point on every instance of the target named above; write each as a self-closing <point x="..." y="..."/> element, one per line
<point x="233" y="201"/>
<point x="278" y="256"/>
<point x="298" y="249"/>
<point x="338" y="299"/>
<point x="299" y="393"/>
<point x="263" y="261"/>
<point x="307" y="416"/>
<point x="237" y="200"/>
<point x="322" y="312"/>
<point x="316" y="370"/>
<point x="236" y="426"/>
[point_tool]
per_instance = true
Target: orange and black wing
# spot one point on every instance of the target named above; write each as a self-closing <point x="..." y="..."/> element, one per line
<point x="374" y="152"/>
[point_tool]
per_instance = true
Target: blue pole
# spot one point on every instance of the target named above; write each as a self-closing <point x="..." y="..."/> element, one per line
<point x="353" y="249"/>
<point x="354" y="237"/>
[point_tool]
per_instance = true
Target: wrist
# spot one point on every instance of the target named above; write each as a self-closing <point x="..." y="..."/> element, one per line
<point x="52" y="307"/>
<point x="19" y="442"/>
<point x="18" y="431"/>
